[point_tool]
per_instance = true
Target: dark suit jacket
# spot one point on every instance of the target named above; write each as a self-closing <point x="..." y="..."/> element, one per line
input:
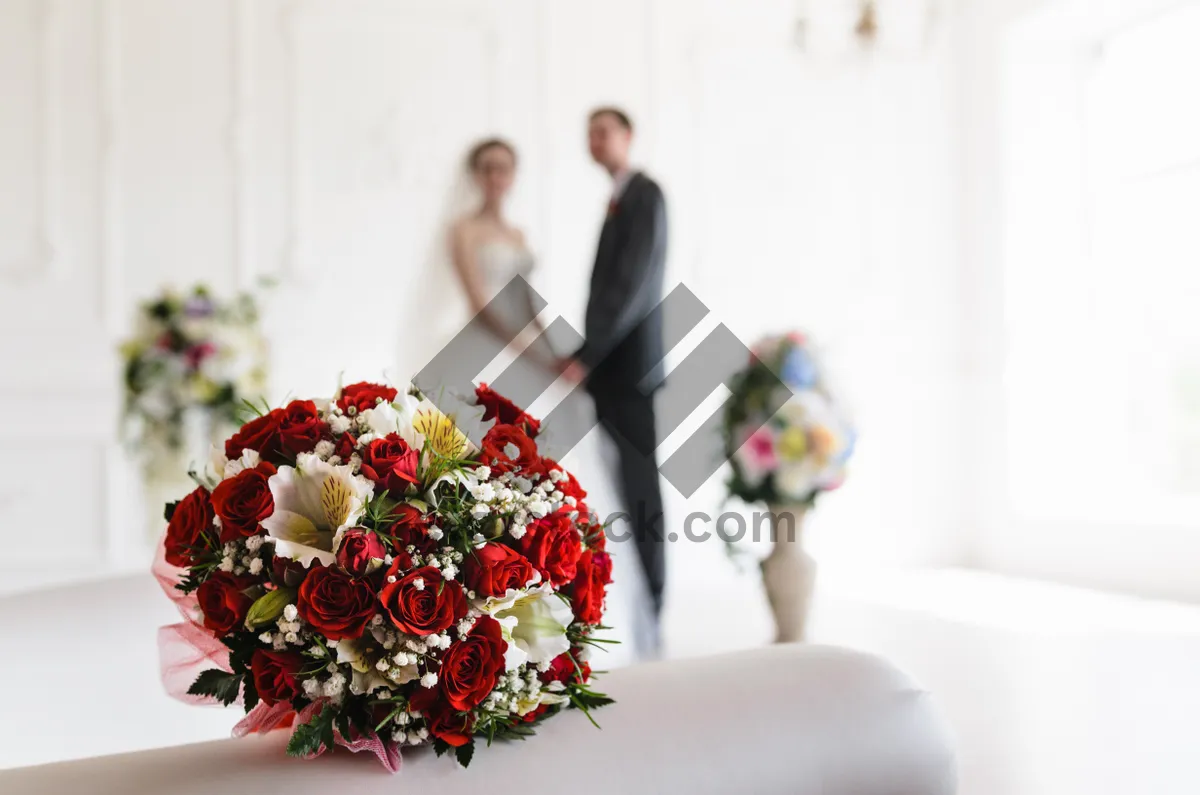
<point x="623" y="332"/>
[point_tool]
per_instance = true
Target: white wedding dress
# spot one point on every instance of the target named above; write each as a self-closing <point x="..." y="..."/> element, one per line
<point x="592" y="460"/>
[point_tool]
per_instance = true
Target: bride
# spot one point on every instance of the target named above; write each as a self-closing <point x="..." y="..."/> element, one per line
<point x="488" y="252"/>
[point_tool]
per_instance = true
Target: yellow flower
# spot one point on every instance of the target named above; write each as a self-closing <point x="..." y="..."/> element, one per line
<point x="444" y="436"/>
<point x="793" y="444"/>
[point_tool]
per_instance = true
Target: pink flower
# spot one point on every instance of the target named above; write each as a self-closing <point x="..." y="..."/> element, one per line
<point x="757" y="455"/>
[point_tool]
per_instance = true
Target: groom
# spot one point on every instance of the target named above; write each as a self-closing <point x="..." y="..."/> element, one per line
<point x="623" y="346"/>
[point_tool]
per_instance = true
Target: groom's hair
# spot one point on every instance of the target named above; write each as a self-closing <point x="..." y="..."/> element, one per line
<point x="621" y="117"/>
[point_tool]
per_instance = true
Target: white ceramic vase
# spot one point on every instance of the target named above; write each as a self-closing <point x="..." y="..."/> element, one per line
<point x="789" y="574"/>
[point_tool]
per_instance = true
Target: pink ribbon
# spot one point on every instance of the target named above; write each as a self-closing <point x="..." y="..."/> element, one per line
<point x="187" y="649"/>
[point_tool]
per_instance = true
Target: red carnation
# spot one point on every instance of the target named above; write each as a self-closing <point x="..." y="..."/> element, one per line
<point x="192" y="516"/>
<point x="223" y="601"/>
<point x="504" y="411"/>
<point x="274" y="675"/>
<point x="391" y="463"/>
<point x="260" y="434"/>
<point x="552" y="545"/>
<point x="593" y="572"/>
<point x="336" y="604"/>
<point x="471" y="665"/>
<point x="422" y="602"/>
<point x="507" y="447"/>
<point x="300" y="428"/>
<point x="244" y="501"/>
<point x="358" y="548"/>
<point x="493" y="569"/>
<point x="364" y="395"/>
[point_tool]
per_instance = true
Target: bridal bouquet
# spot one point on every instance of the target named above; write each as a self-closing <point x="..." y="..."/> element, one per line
<point x="358" y="570"/>
<point x="191" y="359"/>
<point x="791" y="455"/>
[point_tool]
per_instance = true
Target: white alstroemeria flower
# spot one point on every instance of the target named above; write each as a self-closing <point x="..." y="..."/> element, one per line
<point x="529" y="702"/>
<point x="541" y="628"/>
<point x="493" y="605"/>
<point x="362" y="682"/>
<point x="353" y="651"/>
<point x="314" y="502"/>
<point x="249" y="459"/>
<point x="385" y="419"/>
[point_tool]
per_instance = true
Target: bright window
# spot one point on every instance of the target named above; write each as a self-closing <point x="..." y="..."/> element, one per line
<point x="1102" y="275"/>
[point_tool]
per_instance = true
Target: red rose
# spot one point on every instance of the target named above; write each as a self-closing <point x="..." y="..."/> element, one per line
<point x="562" y="669"/>
<point x="410" y="528"/>
<point x="444" y="722"/>
<point x="260" y="434"/>
<point x="287" y="573"/>
<point x="422" y="602"/>
<point x="587" y="592"/>
<point x="359" y="547"/>
<point x="494" y="568"/>
<point x="552" y="545"/>
<point x="471" y="665"/>
<point x="391" y="463"/>
<point x="363" y="395"/>
<point x="597" y="539"/>
<point x="300" y="428"/>
<point x="507" y="447"/>
<point x="337" y="605"/>
<point x="344" y="447"/>
<point x="191" y="517"/>
<point x="223" y="602"/>
<point x="243" y="501"/>
<point x="275" y="675"/>
<point x="504" y="411"/>
<point x="569" y="487"/>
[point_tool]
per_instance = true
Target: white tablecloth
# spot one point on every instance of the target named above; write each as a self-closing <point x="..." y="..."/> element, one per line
<point x="785" y="719"/>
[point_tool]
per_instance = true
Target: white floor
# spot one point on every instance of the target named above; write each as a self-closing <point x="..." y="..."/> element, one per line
<point x="1051" y="690"/>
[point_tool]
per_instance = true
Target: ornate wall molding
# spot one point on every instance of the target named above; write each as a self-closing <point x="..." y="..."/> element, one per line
<point x="113" y="302"/>
<point x="43" y="257"/>
<point x="302" y="16"/>
<point x="241" y="140"/>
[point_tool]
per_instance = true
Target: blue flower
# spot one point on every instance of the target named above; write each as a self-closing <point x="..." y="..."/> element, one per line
<point x="799" y="371"/>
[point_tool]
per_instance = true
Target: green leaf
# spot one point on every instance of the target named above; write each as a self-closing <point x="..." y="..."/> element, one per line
<point x="343" y="726"/>
<point x="219" y="684"/>
<point x="310" y="737"/>
<point x="464" y="753"/>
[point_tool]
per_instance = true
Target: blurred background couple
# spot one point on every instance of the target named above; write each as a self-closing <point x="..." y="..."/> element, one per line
<point x="618" y="361"/>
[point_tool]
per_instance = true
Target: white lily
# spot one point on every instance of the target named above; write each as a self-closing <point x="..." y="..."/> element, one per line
<point x="540" y="630"/>
<point x="314" y="503"/>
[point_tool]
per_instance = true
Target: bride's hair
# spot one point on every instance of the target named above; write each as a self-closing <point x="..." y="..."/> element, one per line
<point x="478" y="150"/>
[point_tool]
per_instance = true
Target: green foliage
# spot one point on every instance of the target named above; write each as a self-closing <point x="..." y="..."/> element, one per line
<point x="464" y="753"/>
<point x="222" y="686"/>
<point x="309" y="738"/>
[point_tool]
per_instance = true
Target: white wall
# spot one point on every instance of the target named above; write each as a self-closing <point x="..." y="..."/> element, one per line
<point x="146" y="142"/>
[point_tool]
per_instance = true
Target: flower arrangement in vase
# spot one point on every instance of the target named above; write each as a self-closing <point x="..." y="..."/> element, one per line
<point x="786" y="460"/>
